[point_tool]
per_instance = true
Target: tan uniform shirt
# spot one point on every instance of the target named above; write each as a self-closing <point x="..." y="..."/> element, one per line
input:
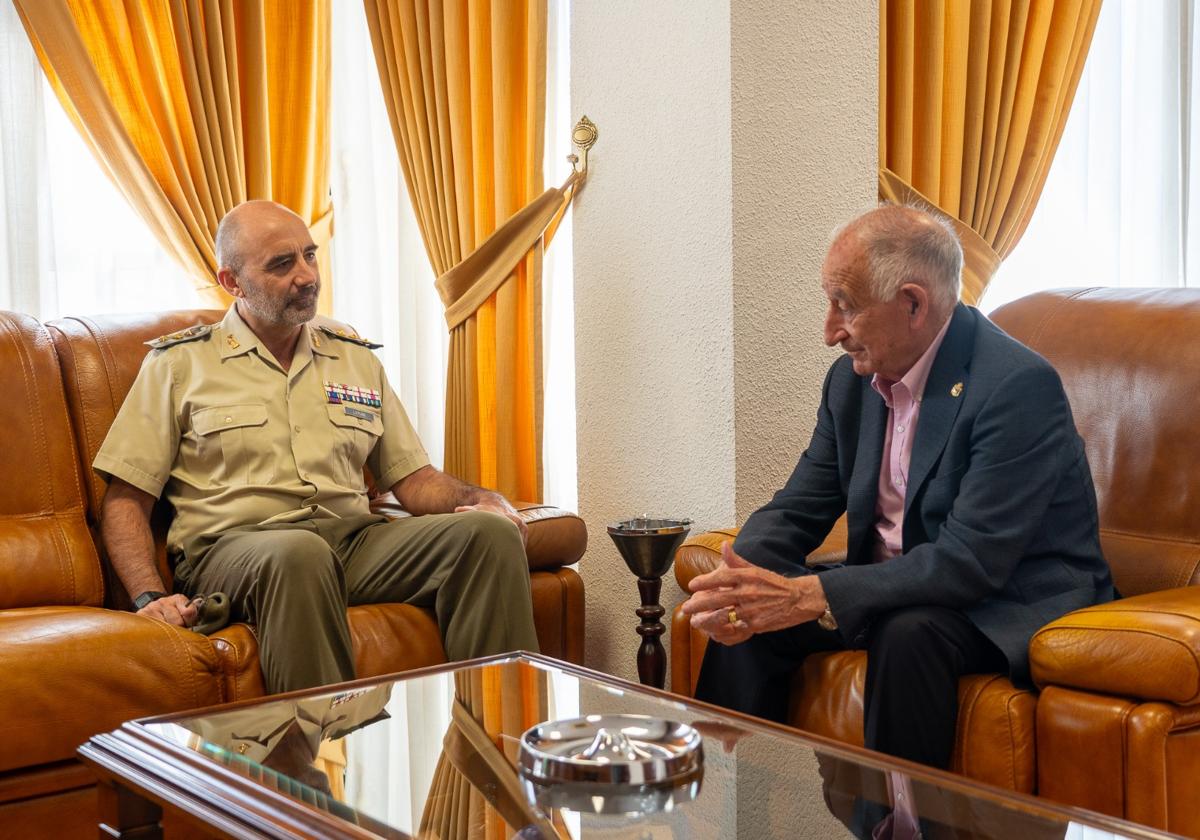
<point x="233" y="439"/>
<point x="255" y="731"/>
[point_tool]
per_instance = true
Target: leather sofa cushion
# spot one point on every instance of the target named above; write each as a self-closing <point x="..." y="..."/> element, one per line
<point x="46" y="551"/>
<point x="995" y="740"/>
<point x="100" y="357"/>
<point x="72" y="672"/>
<point x="1147" y="647"/>
<point x="1128" y="362"/>
<point x="555" y="538"/>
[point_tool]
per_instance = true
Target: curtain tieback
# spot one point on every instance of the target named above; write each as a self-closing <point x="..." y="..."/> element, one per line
<point x="980" y="260"/>
<point x="466" y="286"/>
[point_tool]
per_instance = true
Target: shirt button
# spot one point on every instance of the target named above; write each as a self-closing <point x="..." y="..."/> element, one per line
<point x="900" y="428"/>
<point x="228" y="419"/>
<point x="899" y="482"/>
<point x="296" y="429"/>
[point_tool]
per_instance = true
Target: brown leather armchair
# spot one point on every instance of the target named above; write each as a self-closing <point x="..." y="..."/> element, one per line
<point x="75" y="663"/>
<point x="1115" y="723"/>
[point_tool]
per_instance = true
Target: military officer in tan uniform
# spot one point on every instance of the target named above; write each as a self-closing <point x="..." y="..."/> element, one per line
<point x="256" y="430"/>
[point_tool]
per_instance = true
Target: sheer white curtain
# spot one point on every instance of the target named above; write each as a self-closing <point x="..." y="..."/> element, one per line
<point x="560" y="476"/>
<point x="24" y="240"/>
<point x="1121" y="206"/>
<point x="389" y="768"/>
<point x="71" y="244"/>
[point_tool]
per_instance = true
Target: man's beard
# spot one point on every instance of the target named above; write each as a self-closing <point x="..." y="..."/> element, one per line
<point x="297" y="308"/>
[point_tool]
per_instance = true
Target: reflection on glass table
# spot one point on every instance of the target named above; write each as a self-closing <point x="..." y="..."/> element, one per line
<point x="436" y="754"/>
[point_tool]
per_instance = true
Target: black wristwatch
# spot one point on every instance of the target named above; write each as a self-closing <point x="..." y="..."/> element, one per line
<point x="147" y="597"/>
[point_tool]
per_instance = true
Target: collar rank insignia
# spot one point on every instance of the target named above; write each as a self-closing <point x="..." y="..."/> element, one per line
<point x="346" y="335"/>
<point x="190" y="334"/>
<point x="337" y="393"/>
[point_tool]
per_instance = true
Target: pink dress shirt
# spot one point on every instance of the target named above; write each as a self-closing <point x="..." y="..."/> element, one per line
<point x="903" y="400"/>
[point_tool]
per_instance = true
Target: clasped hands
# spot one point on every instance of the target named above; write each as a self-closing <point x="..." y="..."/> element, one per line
<point x="738" y="599"/>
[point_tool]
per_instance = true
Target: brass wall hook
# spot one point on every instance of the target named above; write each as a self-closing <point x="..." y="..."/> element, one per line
<point x="583" y="137"/>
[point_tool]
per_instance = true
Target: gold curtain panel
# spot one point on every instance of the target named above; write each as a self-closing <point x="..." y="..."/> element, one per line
<point x="465" y="93"/>
<point x="974" y="97"/>
<point x="193" y="107"/>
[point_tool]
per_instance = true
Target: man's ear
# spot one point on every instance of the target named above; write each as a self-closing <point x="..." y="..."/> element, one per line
<point x="915" y="298"/>
<point x="228" y="281"/>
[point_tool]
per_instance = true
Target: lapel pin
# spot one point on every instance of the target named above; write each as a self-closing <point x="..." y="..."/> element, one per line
<point x="956" y="389"/>
<point x="233" y="342"/>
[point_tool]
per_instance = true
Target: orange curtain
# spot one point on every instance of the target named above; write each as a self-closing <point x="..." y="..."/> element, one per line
<point x="974" y="97"/>
<point x="464" y="82"/>
<point x="194" y="106"/>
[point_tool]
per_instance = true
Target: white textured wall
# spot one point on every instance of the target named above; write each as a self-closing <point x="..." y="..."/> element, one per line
<point x="733" y="137"/>
<point x="653" y="304"/>
<point x="805" y="153"/>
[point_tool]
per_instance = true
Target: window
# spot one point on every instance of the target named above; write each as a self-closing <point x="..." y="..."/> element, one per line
<point x="72" y="244"/>
<point x="1121" y="206"/>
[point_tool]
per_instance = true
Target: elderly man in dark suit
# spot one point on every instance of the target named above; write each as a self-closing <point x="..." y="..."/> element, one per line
<point x="971" y="511"/>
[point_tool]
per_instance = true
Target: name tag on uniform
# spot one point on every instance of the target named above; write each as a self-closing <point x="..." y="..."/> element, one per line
<point x="359" y="413"/>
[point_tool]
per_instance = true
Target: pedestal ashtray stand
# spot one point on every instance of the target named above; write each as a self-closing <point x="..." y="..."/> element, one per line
<point x="648" y="546"/>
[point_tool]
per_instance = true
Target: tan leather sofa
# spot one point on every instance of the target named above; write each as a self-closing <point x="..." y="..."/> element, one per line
<point x="1115" y="723"/>
<point x="75" y="663"/>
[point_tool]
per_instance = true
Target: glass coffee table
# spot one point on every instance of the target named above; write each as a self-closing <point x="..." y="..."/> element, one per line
<point x="434" y="753"/>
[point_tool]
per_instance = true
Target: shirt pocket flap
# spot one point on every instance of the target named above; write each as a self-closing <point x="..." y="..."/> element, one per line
<point x="205" y="421"/>
<point x="355" y="417"/>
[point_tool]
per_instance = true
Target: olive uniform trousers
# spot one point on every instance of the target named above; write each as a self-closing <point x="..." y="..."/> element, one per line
<point x="294" y="580"/>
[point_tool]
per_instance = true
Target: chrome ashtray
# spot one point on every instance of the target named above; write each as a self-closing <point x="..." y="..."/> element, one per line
<point x="612" y="764"/>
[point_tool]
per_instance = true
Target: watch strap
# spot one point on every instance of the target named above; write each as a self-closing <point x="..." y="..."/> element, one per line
<point x="146" y="598"/>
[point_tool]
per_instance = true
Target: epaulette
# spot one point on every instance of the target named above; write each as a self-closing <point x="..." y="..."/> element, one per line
<point x="190" y="334"/>
<point x="346" y="336"/>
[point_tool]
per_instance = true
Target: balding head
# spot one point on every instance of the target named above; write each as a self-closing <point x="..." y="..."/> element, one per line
<point x="268" y="262"/>
<point x="231" y="241"/>
<point x="904" y="244"/>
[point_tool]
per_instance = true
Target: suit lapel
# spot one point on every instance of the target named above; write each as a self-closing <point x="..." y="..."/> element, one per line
<point x="864" y="480"/>
<point x="942" y="399"/>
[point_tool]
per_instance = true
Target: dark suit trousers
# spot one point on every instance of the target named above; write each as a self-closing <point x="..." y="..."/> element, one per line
<point x="915" y="657"/>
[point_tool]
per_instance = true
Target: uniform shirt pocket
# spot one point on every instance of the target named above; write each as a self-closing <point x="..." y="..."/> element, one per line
<point x="233" y="443"/>
<point x="356" y="431"/>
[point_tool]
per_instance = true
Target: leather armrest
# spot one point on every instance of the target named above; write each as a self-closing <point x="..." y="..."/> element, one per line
<point x="702" y="553"/>
<point x="1146" y="647"/>
<point x="556" y="537"/>
<point x="699" y="554"/>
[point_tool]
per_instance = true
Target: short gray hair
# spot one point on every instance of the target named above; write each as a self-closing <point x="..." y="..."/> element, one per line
<point x="909" y="244"/>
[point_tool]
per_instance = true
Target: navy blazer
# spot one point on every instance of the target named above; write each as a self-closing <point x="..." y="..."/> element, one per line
<point x="1000" y="515"/>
